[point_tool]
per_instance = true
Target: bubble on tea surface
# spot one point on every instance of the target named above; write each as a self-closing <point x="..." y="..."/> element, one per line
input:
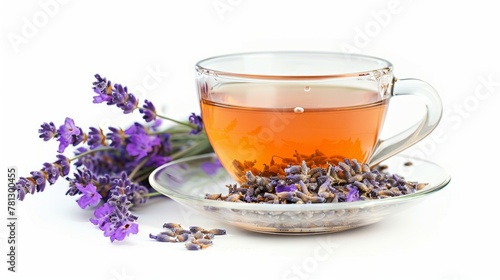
<point x="298" y="110"/>
<point x="307" y="88"/>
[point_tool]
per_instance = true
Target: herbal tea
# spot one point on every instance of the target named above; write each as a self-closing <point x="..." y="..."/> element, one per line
<point x="258" y="127"/>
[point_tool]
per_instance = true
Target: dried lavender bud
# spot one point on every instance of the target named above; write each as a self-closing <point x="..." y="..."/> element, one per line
<point x="250" y="177"/>
<point x="293" y="169"/>
<point x="183" y="237"/>
<point x="234" y="197"/>
<point x="362" y="187"/>
<point x="168" y="232"/>
<point x="214" y="196"/>
<point x="209" y="236"/>
<point x="195" y="229"/>
<point x="356" y="167"/>
<point x="202" y="241"/>
<point x="217" y="231"/>
<point x="179" y="231"/>
<point x="347" y="181"/>
<point x="163" y="238"/>
<point x="198" y="235"/>
<point x="421" y="186"/>
<point x="171" y="226"/>
<point x="192" y="246"/>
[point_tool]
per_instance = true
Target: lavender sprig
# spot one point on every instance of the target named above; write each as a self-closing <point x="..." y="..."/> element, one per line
<point x="112" y="167"/>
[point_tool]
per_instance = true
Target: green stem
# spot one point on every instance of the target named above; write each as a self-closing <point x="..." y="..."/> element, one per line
<point x="201" y="146"/>
<point x="172" y="120"/>
<point x="151" y="194"/>
<point x="104" y="148"/>
<point x="137" y="168"/>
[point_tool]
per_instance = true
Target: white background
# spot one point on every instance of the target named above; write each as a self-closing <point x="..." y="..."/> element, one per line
<point x="51" y="49"/>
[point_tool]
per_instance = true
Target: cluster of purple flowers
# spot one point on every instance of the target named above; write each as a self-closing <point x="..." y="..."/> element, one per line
<point x="38" y="179"/>
<point x="114" y="217"/>
<point x="112" y="168"/>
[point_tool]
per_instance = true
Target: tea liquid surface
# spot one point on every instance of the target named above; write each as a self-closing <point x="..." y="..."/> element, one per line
<point x="258" y="127"/>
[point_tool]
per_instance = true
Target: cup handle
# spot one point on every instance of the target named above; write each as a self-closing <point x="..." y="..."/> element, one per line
<point x="434" y="110"/>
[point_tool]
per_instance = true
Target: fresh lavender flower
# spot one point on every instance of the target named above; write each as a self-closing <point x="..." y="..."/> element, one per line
<point x="48" y="131"/>
<point x="101" y="215"/>
<point x="114" y="166"/>
<point x="124" y="230"/>
<point x="69" y="134"/>
<point x="90" y="195"/>
<point x="148" y="110"/>
<point x="114" y="95"/>
<point x="135" y="193"/>
<point x="196" y="120"/>
<point x="83" y="176"/>
<point x="140" y="144"/>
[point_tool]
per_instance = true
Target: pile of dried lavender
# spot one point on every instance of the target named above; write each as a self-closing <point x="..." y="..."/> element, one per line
<point x="345" y="182"/>
<point x="196" y="237"/>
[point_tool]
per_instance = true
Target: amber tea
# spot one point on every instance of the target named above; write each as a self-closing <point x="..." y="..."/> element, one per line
<point x="258" y="126"/>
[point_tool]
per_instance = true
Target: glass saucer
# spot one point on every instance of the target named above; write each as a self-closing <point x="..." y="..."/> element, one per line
<point x="188" y="180"/>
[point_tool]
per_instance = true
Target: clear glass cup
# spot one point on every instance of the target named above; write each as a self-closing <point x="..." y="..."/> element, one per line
<point x="264" y="111"/>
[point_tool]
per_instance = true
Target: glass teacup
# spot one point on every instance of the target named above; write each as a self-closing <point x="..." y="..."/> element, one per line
<point x="264" y="111"/>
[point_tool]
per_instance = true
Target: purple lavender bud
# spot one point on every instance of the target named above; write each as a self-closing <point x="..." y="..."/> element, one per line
<point x="101" y="85"/>
<point x="196" y="120"/>
<point x="40" y="180"/>
<point x="64" y="164"/>
<point x="25" y="186"/>
<point x="117" y="137"/>
<point x="119" y="94"/>
<point x="138" y="193"/>
<point x="52" y="172"/>
<point x="149" y="111"/>
<point x="129" y="105"/>
<point x="96" y="137"/>
<point x="48" y="131"/>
